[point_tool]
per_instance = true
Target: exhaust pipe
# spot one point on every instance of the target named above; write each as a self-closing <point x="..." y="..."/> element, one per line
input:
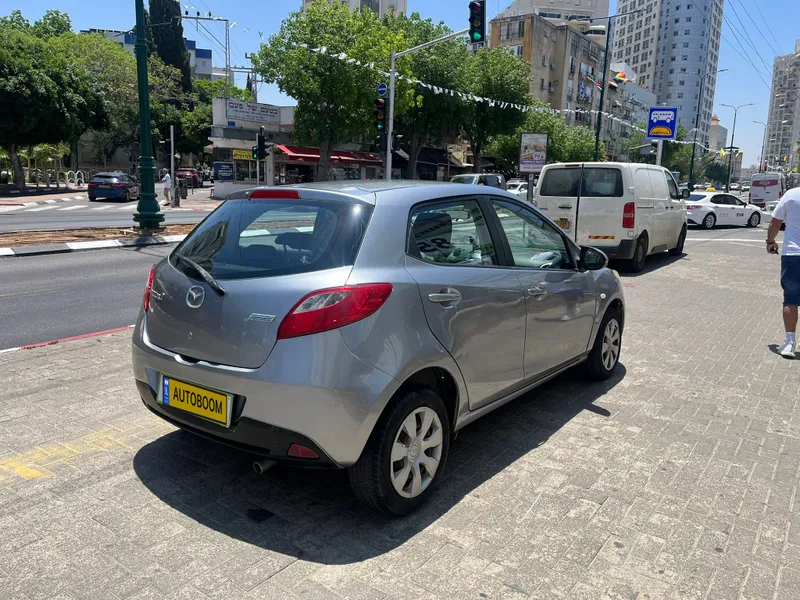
<point x="262" y="466"/>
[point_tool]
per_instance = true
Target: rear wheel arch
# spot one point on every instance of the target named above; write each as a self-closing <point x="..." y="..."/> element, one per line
<point x="439" y="380"/>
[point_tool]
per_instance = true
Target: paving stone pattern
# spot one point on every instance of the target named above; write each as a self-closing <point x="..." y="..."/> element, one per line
<point x="677" y="479"/>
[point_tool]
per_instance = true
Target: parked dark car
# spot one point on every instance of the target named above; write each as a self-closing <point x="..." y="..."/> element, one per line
<point x="189" y="173"/>
<point x="117" y="186"/>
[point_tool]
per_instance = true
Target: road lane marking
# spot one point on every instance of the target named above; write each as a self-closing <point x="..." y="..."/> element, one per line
<point x="101" y="208"/>
<point x="127" y="207"/>
<point x="4" y="209"/>
<point x="31" y="293"/>
<point x="41" y="208"/>
<point x="73" y="207"/>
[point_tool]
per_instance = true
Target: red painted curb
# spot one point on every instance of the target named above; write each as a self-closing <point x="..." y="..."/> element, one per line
<point x="75" y="337"/>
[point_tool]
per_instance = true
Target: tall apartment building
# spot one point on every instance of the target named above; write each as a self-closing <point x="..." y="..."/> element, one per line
<point x="783" y="124"/>
<point x="562" y="60"/>
<point x="671" y="45"/>
<point x="378" y="6"/>
<point x="558" y="9"/>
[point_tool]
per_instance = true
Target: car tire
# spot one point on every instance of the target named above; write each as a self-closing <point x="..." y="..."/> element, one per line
<point x="92" y="198"/>
<point x="636" y="264"/>
<point x="754" y="220"/>
<point x="604" y="355"/>
<point x="373" y="477"/>
<point x="127" y="197"/>
<point x="709" y="221"/>
<point x="678" y="250"/>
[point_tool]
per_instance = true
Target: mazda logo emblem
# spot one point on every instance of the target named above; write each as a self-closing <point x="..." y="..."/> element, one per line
<point x="195" y="297"/>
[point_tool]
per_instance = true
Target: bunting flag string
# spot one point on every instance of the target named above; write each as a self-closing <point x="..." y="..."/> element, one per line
<point x="490" y="101"/>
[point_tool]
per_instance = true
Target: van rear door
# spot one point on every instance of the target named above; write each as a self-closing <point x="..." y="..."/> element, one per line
<point x="584" y="200"/>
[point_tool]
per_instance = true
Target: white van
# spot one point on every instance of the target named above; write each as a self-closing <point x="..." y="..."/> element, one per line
<point x="766" y="189"/>
<point x="628" y="210"/>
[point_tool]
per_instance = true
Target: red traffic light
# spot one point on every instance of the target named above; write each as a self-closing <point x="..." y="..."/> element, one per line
<point x="475" y="8"/>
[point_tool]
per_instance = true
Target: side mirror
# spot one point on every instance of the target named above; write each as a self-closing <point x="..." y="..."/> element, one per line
<point x="593" y="259"/>
<point x="685" y="193"/>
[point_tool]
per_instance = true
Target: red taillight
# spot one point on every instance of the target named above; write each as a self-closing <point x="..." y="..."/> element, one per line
<point x="147" y="289"/>
<point x="118" y="185"/>
<point x="277" y="194"/>
<point x="298" y="451"/>
<point x="92" y="184"/>
<point x="332" y="308"/>
<point x="629" y="215"/>
<point x="693" y="207"/>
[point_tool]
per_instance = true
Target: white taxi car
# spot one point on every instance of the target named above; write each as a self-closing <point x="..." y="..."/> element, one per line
<point x="709" y="209"/>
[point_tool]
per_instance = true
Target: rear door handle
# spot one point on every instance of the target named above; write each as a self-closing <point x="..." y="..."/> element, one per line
<point x="537" y="292"/>
<point x="445" y="296"/>
<point x="565" y="206"/>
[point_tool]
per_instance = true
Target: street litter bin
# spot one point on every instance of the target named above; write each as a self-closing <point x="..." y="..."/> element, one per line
<point x="184" y="187"/>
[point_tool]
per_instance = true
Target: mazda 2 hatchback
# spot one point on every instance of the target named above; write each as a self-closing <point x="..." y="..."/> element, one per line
<point x="360" y="325"/>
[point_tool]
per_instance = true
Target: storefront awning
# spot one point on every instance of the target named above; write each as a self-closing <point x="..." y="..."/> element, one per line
<point x="301" y="154"/>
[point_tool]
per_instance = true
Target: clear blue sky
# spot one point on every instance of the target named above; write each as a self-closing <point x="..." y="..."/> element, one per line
<point x="740" y="85"/>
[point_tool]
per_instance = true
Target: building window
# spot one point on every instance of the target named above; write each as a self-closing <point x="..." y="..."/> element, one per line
<point x="688" y="19"/>
<point x="684" y="57"/>
<point x="680" y="95"/>
<point x="687" y="31"/>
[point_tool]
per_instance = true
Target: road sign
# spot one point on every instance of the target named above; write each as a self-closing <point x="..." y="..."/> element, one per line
<point x="662" y="123"/>
<point x="382" y="89"/>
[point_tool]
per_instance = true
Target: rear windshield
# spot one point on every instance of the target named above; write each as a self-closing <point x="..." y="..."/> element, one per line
<point x="104" y="179"/>
<point x="598" y="182"/>
<point x="266" y="238"/>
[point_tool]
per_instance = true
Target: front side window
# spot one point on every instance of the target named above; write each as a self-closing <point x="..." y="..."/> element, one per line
<point x="533" y="242"/>
<point x="674" y="192"/>
<point x="451" y="233"/>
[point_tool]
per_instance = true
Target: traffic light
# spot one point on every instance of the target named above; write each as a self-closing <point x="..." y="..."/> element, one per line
<point x="382" y="142"/>
<point x="261" y="146"/>
<point x="254" y="149"/>
<point x="477" y="21"/>
<point x="380" y="115"/>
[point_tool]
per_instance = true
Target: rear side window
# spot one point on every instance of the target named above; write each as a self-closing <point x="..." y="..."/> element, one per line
<point x="597" y="182"/>
<point x="266" y="238"/>
<point x="463" y="179"/>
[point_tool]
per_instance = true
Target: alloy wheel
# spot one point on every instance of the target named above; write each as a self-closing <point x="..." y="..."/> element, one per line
<point x="611" y="344"/>
<point x="416" y="452"/>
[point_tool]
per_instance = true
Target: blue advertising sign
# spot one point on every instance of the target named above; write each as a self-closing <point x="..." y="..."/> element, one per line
<point x="223" y="171"/>
<point x="382" y="89"/>
<point x="663" y="123"/>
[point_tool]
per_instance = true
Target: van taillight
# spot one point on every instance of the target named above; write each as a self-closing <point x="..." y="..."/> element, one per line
<point x="629" y="215"/>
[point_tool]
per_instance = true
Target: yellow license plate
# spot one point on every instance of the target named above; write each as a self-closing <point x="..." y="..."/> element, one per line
<point x="563" y="223"/>
<point x="105" y="187"/>
<point x="209" y="404"/>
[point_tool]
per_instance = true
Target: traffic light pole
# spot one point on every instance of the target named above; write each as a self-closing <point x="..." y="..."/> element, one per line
<point x="392" y="77"/>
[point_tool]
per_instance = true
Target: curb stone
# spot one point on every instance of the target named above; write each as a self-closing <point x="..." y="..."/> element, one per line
<point x="93" y="245"/>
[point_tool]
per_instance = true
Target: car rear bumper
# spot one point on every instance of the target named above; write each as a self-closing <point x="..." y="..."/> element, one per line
<point x="622" y="251"/>
<point x="107" y="192"/>
<point x="330" y="408"/>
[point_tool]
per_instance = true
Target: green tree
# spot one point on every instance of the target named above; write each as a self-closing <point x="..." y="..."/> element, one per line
<point x="498" y="75"/>
<point x="335" y="100"/>
<point x="52" y="23"/>
<point x="15" y="21"/>
<point x="168" y="38"/>
<point x="44" y="98"/>
<point x="432" y="118"/>
<point x="196" y="116"/>
<point x="717" y="172"/>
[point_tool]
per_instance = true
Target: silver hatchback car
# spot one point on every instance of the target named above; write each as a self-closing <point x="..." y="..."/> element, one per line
<point x="361" y="324"/>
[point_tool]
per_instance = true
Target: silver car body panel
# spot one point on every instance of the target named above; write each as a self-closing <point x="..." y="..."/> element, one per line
<point x="332" y="387"/>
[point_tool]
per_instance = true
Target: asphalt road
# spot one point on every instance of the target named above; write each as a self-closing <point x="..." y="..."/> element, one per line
<point x="79" y="214"/>
<point x="48" y="297"/>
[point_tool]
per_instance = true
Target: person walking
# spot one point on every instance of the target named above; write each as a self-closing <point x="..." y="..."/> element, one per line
<point x="788" y="212"/>
<point x="167" y="181"/>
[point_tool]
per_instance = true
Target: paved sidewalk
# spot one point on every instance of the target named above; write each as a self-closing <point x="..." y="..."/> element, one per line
<point x="678" y="479"/>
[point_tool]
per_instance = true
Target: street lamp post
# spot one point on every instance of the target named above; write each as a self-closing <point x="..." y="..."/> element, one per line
<point x="603" y="81"/>
<point x="147" y="215"/>
<point x="733" y="136"/>
<point x="697" y="123"/>
<point x="763" y="144"/>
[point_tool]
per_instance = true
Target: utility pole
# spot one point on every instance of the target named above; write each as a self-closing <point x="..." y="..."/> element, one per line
<point x="763" y="144"/>
<point x="659" y="152"/>
<point x="173" y="200"/>
<point x="603" y="81"/>
<point x="227" y="41"/>
<point x="697" y="123"/>
<point x="392" y="76"/>
<point x="147" y="215"/>
<point x="733" y="136"/>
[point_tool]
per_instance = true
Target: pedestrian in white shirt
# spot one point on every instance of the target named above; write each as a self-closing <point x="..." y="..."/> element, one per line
<point x="788" y="212"/>
<point x="167" y="181"/>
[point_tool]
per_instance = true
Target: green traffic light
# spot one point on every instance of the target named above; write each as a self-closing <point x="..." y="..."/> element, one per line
<point x="476" y="36"/>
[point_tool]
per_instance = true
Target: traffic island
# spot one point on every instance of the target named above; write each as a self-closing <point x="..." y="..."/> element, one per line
<point x="31" y="243"/>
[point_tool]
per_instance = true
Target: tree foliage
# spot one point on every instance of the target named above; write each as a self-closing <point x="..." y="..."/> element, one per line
<point x="167" y="32"/>
<point x="499" y="75"/>
<point x="44" y="97"/>
<point x="335" y="100"/>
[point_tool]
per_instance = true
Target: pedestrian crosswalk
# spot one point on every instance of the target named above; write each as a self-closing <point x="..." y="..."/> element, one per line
<point x="60" y="207"/>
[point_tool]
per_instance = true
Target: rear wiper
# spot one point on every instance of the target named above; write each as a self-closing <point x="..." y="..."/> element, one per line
<point x="207" y="277"/>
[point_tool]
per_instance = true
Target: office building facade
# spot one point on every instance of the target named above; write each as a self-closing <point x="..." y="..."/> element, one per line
<point x="561" y="10"/>
<point x="783" y="124"/>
